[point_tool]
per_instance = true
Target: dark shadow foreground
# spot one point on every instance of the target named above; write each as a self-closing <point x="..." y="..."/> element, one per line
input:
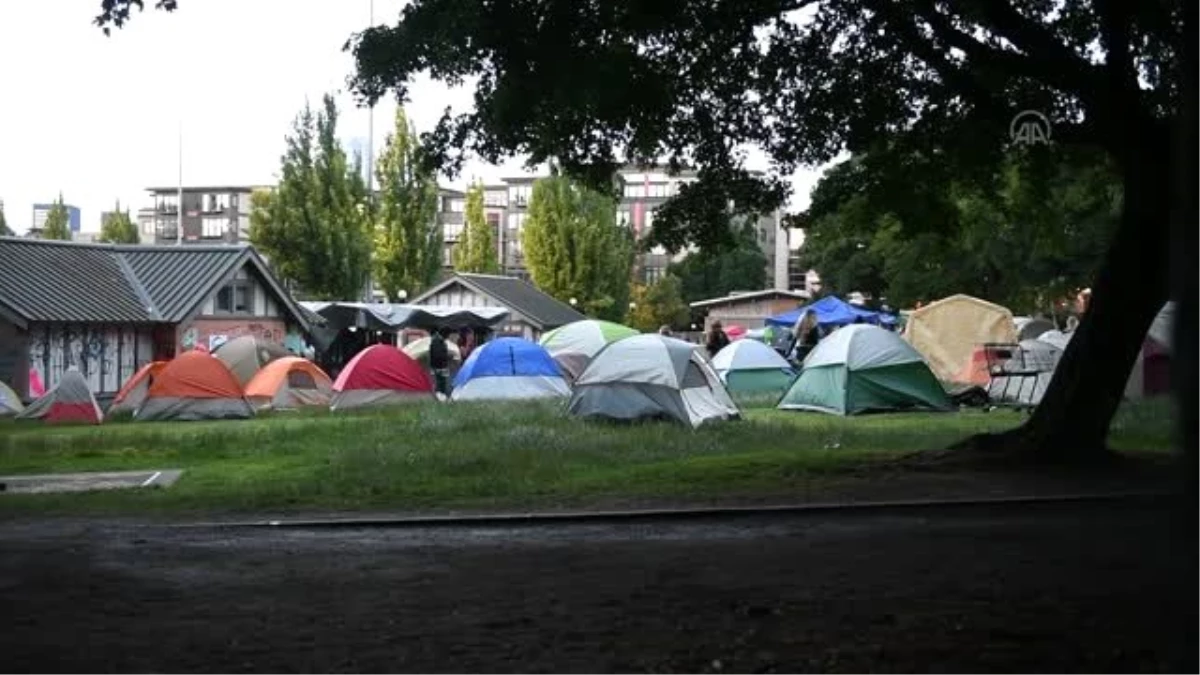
<point x="1064" y="588"/>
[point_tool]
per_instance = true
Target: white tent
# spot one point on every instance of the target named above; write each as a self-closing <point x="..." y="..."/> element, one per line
<point x="651" y="376"/>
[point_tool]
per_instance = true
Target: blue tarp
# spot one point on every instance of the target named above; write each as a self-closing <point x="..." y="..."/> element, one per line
<point x="832" y="311"/>
<point x="507" y="357"/>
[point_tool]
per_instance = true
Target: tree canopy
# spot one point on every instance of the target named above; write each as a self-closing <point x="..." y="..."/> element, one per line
<point x="713" y="274"/>
<point x="658" y="304"/>
<point x="408" y="235"/>
<point x="57" y="225"/>
<point x="119" y="228"/>
<point x="313" y="228"/>
<point x="575" y="249"/>
<point x="1021" y="236"/>
<point x="476" y="248"/>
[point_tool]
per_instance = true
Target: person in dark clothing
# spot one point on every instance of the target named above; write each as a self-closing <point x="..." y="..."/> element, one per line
<point x="439" y="362"/>
<point x="716" y="340"/>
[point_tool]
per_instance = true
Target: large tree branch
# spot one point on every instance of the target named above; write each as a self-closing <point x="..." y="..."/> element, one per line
<point x="1065" y="68"/>
<point x="967" y="83"/>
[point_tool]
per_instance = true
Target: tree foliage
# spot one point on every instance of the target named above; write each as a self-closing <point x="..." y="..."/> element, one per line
<point x="1022" y="236"/>
<point x="5" y="231"/>
<point x="119" y="228"/>
<point x="57" y="225"/>
<point x="588" y="86"/>
<point x="714" y="274"/>
<point x="408" y="235"/>
<point x="476" y="248"/>
<point x="658" y="304"/>
<point x="575" y="249"/>
<point x="314" y="226"/>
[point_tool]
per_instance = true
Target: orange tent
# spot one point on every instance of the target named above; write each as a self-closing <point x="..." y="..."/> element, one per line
<point x="289" y="383"/>
<point x="133" y="392"/>
<point x="194" y="386"/>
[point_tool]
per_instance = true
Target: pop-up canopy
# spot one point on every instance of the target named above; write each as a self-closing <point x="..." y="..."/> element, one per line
<point x="832" y="311"/>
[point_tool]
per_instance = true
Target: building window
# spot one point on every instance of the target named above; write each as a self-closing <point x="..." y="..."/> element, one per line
<point x="234" y="298"/>
<point x="519" y="194"/>
<point x="516" y="222"/>
<point x="457" y="205"/>
<point x="493" y="198"/>
<point x="452" y="231"/>
<point x="635" y="191"/>
<point x="213" y="228"/>
<point x="658" y="190"/>
<point x="648" y="221"/>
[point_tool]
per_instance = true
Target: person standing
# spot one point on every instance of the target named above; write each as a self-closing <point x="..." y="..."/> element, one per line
<point x="716" y="340"/>
<point x="439" y="362"/>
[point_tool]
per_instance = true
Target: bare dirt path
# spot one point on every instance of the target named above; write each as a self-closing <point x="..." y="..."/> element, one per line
<point x="1063" y="588"/>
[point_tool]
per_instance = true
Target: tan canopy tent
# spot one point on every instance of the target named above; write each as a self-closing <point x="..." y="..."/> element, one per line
<point x="947" y="333"/>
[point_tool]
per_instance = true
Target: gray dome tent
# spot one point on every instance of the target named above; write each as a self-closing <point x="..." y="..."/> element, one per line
<point x="651" y="376"/>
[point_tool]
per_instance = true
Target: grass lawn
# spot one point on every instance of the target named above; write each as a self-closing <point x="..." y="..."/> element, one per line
<point x="483" y="455"/>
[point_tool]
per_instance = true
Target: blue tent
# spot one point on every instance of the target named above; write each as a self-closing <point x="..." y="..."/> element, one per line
<point x="508" y="368"/>
<point x="832" y="311"/>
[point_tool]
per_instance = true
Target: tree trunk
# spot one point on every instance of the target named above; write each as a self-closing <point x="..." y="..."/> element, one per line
<point x="1072" y="420"/>
<point x="1186" y="364"/>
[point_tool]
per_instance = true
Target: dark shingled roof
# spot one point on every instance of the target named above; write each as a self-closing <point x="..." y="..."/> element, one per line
<point x="103" y="283"/>
<point x="516" y="294"/>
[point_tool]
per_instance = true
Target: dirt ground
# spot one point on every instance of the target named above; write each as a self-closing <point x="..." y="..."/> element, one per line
<point x="1063" y="588"/>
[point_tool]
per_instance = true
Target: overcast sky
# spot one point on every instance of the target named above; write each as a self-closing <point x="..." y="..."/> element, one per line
<point x="98" y="118"/>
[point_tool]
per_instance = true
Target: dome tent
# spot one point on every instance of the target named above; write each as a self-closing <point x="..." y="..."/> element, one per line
<point x="572" y="346"/>
<point x="863" y="368"/>
<point x="380" y="375"/>
<point x="247" y="354"/>
<point x="509" y="368"/>
<point x="290" y="383"/>
<point x="194" y="386"/>
<point x="70" y="400"/>
<point x="10" y="403"/>
<point x="651" y="376"/>
<point x="134" y="391"/>
<point x="752" y="367"/>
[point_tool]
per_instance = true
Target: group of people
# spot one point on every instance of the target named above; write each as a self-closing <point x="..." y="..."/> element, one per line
<point x="805" y="335"/>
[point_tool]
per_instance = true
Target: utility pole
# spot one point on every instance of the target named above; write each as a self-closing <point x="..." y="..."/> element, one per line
<point x="179" y="194"/>
<point x="369" y="292"/>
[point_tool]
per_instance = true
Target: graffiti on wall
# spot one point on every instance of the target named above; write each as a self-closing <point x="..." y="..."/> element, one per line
<point x="212" y="333"/>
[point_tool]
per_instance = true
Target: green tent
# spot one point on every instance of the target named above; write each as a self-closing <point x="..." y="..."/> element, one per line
<point x="862" y="368"/>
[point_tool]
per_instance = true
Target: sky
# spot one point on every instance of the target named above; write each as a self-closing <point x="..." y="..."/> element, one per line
<point x="100" y="119"/>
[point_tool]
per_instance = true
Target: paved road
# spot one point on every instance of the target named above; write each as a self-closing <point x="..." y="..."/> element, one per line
<point x="1082" y="587"/>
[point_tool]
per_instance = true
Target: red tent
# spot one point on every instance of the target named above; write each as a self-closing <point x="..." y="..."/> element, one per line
<point x="380" y="374"/>
<point x="69" y="401"/>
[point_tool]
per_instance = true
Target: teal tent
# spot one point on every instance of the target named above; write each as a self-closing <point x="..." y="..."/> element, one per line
<point x="862" y="368"/>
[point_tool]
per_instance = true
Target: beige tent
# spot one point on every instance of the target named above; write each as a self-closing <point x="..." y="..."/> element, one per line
<point x="948" y="331"/>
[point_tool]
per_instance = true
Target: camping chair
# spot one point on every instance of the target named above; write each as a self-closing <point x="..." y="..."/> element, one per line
<point x="1007" y="366"/>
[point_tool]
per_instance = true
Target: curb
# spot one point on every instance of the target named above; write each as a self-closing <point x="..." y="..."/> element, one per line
<point x="680" y="514"/>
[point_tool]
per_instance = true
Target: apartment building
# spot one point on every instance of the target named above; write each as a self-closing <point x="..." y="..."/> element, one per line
<point x="211" y="215"/>
<point x="643" y="192"/>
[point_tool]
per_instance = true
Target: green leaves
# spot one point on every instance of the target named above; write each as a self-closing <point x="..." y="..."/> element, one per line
<point x="314" y="227"/>
<point x="408" y="235"/>
<point x="119" y="228"/>
<point x="575" y="249"/>
<point x="476" y="248"/>
<point x="706" y="274"/>
<point x="1033" y="228"/>
<point x="57" y="222"/>
<point x="659" y="304"/>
